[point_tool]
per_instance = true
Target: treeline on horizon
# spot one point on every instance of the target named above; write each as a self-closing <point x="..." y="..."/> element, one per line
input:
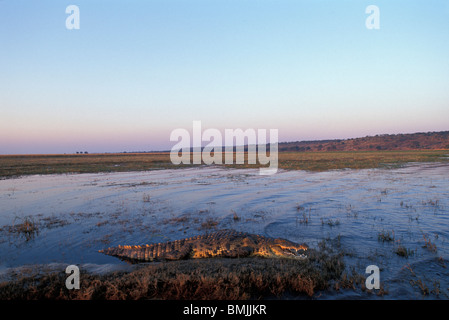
<point x="399" y="142"/>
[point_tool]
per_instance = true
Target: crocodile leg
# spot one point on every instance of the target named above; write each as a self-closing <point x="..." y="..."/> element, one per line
<point x="240" y="252"/>
<point x="183" y="253"/>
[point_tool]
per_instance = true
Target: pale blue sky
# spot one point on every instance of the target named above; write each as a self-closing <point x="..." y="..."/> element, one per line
<point x="136" y="70"/>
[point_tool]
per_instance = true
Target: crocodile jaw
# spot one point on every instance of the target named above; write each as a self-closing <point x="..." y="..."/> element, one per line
<point x="296" y="252"/>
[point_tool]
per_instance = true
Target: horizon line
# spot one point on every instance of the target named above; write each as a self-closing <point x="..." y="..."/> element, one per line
<point x="167" y="151"/>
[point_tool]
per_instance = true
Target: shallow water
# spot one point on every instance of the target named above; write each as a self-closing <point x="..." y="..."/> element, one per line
<point x="79" y="214"/>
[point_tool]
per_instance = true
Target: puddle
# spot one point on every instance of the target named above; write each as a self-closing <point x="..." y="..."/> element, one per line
<point x="377" y="214"/>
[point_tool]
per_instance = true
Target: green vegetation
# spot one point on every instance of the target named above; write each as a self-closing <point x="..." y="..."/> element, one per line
<point x="18" y="165"/>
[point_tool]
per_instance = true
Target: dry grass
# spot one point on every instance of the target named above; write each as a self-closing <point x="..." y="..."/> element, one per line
<point x="322" y="161"/>
<point x="418" y="282"/>
<point x="235" y="217"/>
<point x="304" y="215"/>
<point x="27" y="228"/>
<point x="330" y="222"/>
<point x="209" y="279"/>
<point x="402" y="251"/>
<point x="18" y="165"/>
<point x="428" y="244"/>
<point x="210" y="223"/>
<point x="385" y="236"/>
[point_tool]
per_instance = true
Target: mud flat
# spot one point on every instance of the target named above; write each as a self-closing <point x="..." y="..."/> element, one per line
<point x="393" y="218"/>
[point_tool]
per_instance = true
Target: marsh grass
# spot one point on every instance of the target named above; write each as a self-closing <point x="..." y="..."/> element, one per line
<point x="146" y="198"/>
<point x="210" y="279"/>
<point x="422" y="285"/>
<point x="402" y="251"/>
<point x="19" y="165"/>
<point x="351" y="280"/>
<point x="433" y="203"/>
<point x="428" y="244"/>
<point x="330" y="222"/>
<point x="304" y="219"/>
<point x="323" y="161"/>
<point x="351" y="212"/>
<point x="235" y="217"/>
<point x="210" y="223"/>
<point x="304" y="215"/>
<point x="385" y="236"/>
<point x="27" y="227"/>
<point x="216" y="279"/>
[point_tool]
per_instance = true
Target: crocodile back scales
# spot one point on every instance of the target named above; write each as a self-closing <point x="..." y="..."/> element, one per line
<point x="223" y="243"/>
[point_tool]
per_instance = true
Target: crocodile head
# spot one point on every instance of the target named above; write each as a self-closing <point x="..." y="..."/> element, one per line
<point x="286" y="248"/>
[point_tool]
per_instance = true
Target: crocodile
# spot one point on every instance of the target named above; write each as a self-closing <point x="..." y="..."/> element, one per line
<point x="223" y="243"/>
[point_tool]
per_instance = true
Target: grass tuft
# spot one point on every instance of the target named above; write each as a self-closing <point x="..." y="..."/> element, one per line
<point x="28" y="228"/>
<point x="385" y="236"/>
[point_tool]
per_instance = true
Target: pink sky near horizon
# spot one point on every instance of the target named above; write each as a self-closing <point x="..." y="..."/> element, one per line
<point x="134" y="73"/>
<point x="107" y="139"/>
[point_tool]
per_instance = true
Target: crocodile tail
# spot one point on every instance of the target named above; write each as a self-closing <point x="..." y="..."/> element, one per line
<point x="137" y="253"/>
<point x="125" y="252"/>
<point x="113" y="251"/>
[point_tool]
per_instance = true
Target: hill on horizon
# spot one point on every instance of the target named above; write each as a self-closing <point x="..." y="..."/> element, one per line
<point x="409" y="141"/>
<point x="387" y="142"/>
